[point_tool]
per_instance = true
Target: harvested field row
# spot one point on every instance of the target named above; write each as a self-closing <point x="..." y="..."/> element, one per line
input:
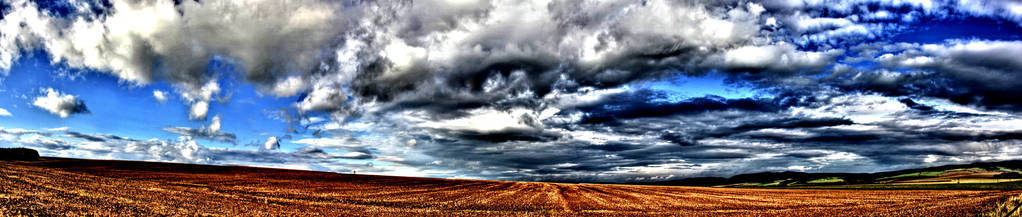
<point x="87" y="187"/>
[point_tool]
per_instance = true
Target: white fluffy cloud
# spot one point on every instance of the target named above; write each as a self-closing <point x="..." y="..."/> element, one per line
<point x="214" y="124"/>
<point x="198" y="110"/>
<point x="200" y="99"/>
<point x="160" y="96"/>
<point x="489" y="121"/>
<point x="271" y="143"/>
<point x="781" y="56"/>
<point x="60" y="104"/>
<point x="4" y="112"/>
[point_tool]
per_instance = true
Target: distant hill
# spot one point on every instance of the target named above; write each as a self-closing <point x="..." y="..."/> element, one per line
<point x="23" y="154"/>
<point x="975" y="173"/>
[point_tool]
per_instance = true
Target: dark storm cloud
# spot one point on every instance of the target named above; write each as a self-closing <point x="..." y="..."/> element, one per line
<point x="556" y="160"/>
<point x="648" y="104"/>
<point x="320" y="153"/>
<point x="783" y="123"/>
<point x="503" y="136"/>
<point x="965" y="71"/>
<point x="912" y="104"/>
<point x="967" y="136"/>
<point x="640" y="104"/>
<point x="696" y="137"/>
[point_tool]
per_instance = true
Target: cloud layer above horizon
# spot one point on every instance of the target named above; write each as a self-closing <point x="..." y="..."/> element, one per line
<point x="543" y="90"/>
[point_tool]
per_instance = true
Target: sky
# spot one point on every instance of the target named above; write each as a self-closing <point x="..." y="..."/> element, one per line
<point x="573" y="90"/>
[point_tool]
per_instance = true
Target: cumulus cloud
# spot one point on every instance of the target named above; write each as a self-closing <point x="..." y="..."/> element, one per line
<point x="198" y="110"/>
<point x="60" y="104"/>
<point x="200" y="99"/>
<point x="593" y="43"/>
<point x="4" y="112"/>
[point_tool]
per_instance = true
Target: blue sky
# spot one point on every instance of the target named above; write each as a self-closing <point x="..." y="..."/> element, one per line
<point x="137" y="113"/>
<point x="602" y="91"/>
<point x="938" y="30"/>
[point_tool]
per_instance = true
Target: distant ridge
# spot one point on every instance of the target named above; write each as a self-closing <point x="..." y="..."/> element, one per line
<point x="1006" y="170"/>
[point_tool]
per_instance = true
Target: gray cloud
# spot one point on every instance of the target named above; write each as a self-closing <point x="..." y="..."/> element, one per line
<point x="210" y="132"/>
<point x="966" y="72"/>
<point x="203" y="134"/>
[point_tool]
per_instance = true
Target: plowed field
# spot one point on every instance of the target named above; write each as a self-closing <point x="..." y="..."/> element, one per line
<point x="71" y="187"/>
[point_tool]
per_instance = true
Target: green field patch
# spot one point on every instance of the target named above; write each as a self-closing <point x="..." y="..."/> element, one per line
<point x="775" y="183"/>
<point x="828" y="180"/>
<point x="1003" y="169"/>
<point x="945" y="186"/>
<point x="915" y="175"/>
<point x="973" y="169"/>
